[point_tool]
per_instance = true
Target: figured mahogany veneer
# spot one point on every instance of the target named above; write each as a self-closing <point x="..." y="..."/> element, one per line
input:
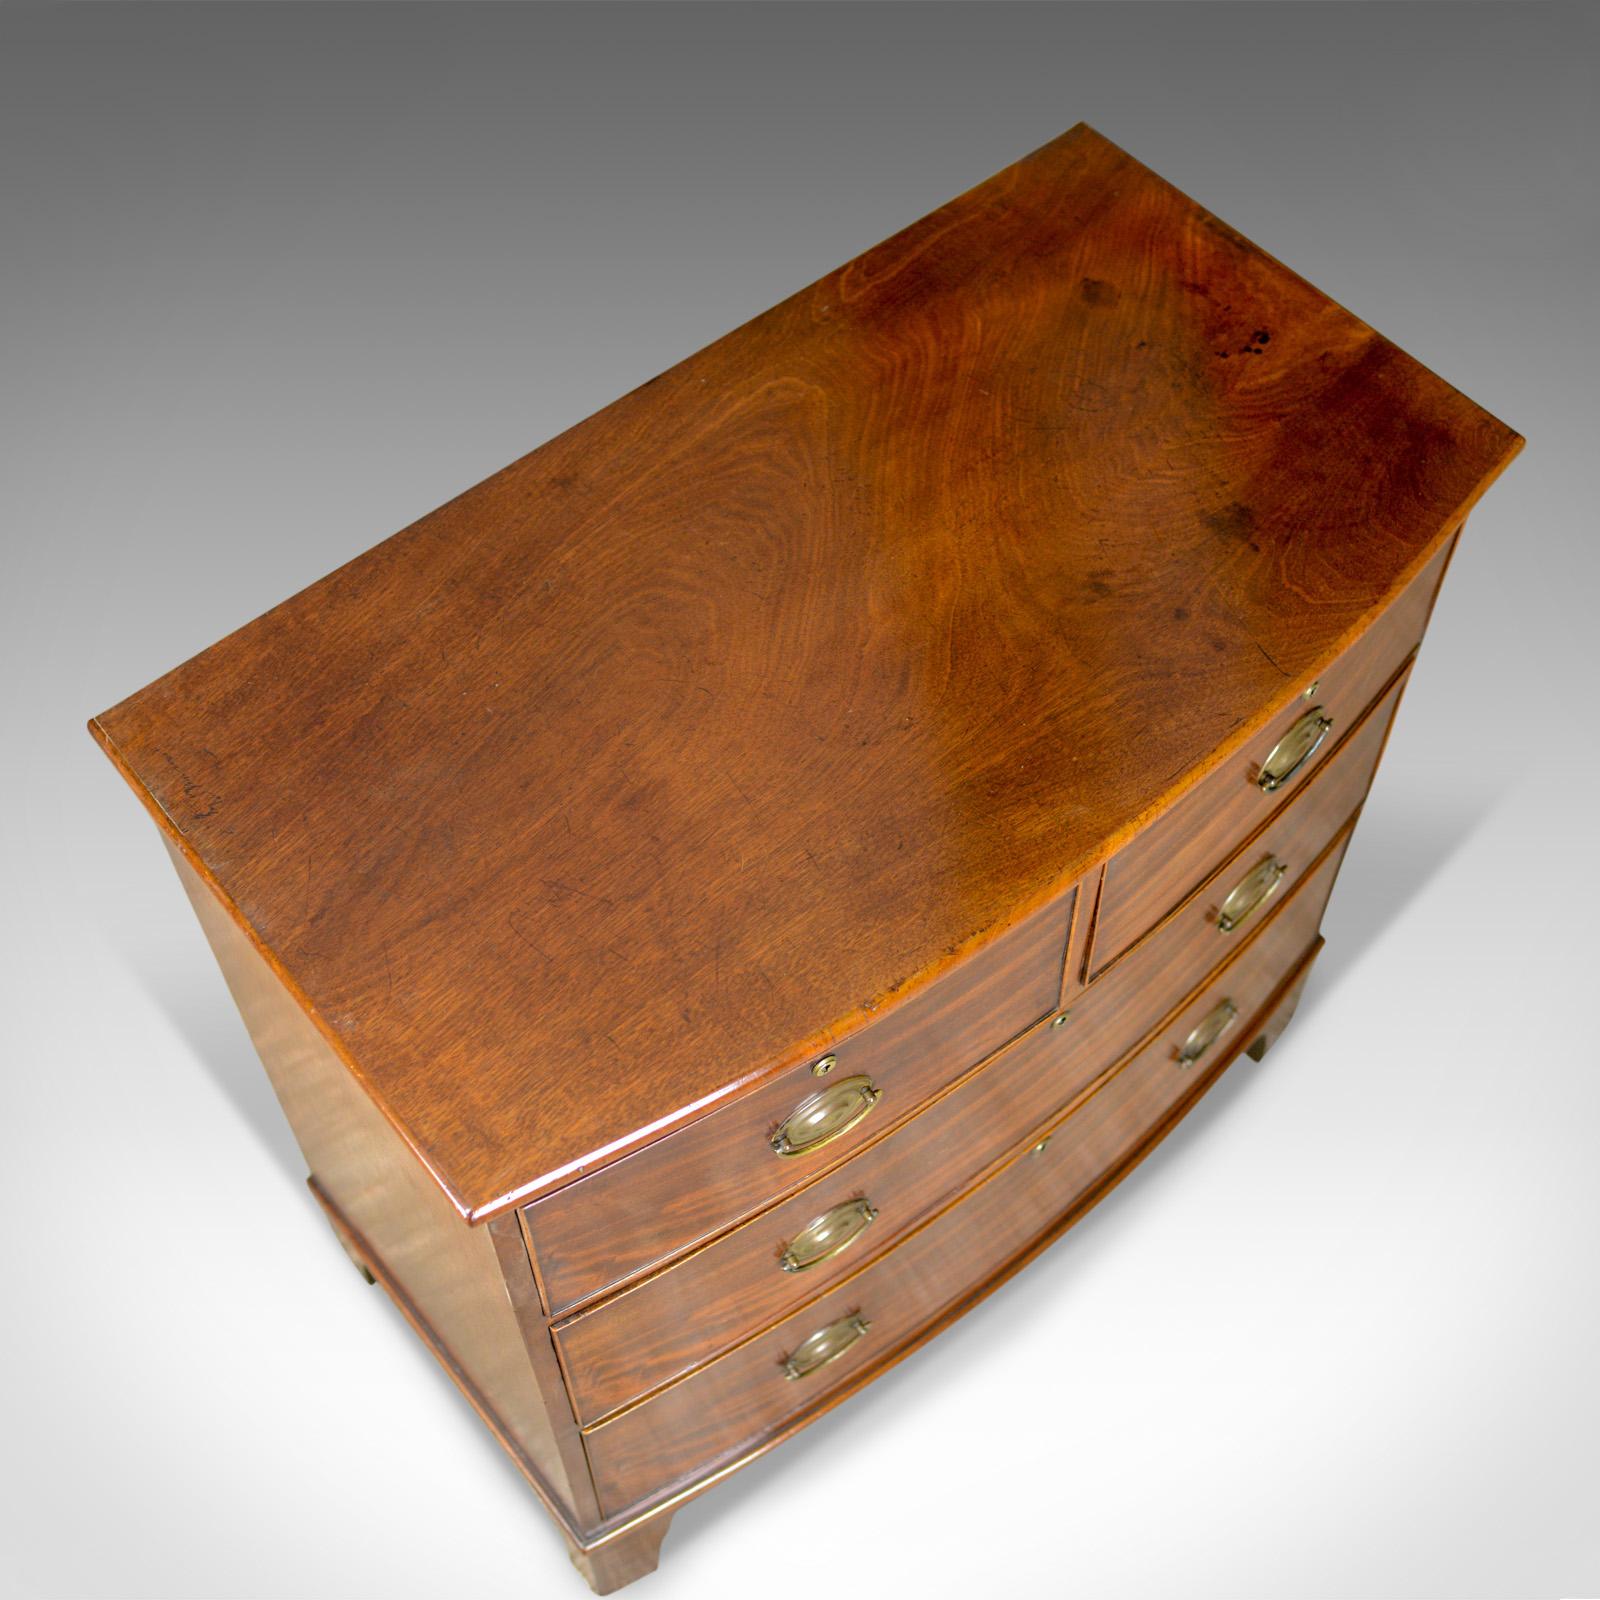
<point x="875" y="702"/>
<point x="678" y="1319"/>
<point x="1173" y="854"/>
<point x="1188" y="944"/>
<point x="709" y="1415"/>
<point x="676" y="1191"/>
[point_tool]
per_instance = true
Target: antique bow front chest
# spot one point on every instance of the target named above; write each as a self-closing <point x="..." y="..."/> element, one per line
<point x="718" y="897"/>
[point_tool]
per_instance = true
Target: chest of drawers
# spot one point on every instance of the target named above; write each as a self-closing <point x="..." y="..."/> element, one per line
<point x="720" y="896"/>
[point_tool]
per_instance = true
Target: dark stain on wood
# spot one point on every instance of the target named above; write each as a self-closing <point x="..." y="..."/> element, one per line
<point x="744" y="710"/>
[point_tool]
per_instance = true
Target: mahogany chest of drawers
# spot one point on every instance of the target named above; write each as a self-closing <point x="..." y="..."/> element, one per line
<point x="718" y="897"/>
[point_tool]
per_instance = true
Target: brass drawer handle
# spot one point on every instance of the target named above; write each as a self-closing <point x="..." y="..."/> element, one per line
<point x="825" y="1345"/>
<point x="1206" y="1033"/>
<point x="1252" y="891"/>
<point x="822" y="1117"/>
<point x="1294" y="749"/>
<point x="822" y="1239"/>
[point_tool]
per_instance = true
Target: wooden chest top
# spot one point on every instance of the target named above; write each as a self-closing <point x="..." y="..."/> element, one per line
<point x="751" y="704"/>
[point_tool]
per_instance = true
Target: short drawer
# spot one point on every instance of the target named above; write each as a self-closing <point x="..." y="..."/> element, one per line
<point x="1241" y="895"/>
<point x="1176" y="853"/>
<point x="767" y="1382"/>
<point x="698" y="1182"/>
<point x="679" y="1318"/>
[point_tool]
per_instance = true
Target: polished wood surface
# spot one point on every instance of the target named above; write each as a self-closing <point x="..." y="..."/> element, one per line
<point x="681" y="1317"/>
<point x="1073" y="969"/>
<point x="874" y="701"/>
<point x="727" y="721"/>
<point x="692" y="1311"/>
<point x="689" y="1426"/>
<point x="634" y="1554"/>
<point x="459" y="1286"/>
<point x="684" y="1315"/>
<point x="1169" y="859"/>
<point x="679" y="1190"/>
<point x="1179" y="952"/>
<point x="1203" y="1078"/>
<point x="1269" y="1029"/>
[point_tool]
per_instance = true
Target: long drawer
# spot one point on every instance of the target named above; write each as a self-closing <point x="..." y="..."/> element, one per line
<point x="764" y="1383"/>
<point x="678" y="1318"/>
<point x="1174" y="854"/>
<point x="668" y="1323"/>
<point x="698" y="1182"/>
<point x="1112" y="1013"/>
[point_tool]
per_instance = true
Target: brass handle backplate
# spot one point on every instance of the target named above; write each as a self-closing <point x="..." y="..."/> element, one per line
<point x="1250" y="892"/>
<point x="822" y="1239"/>
<point x="1294" y="749"/>
<point x="821" y="1118"/>
<point x="1207" y="1031"/>
<point x="825" y="1345"/>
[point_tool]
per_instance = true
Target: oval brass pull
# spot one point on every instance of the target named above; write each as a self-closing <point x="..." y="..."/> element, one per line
<point x="822" y="1117"/>
<point x="1294" y="749"/>
<point x="823" y="1238"/>
<point x="1250" y="892"/>
<point x="1206" y="1033"/>
<point x="825" y="1345"/>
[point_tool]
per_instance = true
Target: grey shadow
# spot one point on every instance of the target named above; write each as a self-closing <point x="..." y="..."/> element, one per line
<point x="1402" y="843"/>
<point x="472" y="1436"/>
<point x="1043" y="1292"/>
<point x="187" y="987"/>
<point x="189" y="990"/>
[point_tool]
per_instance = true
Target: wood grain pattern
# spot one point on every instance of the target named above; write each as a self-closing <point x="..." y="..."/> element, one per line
<point x="1269" y="1029"/>
<point x="686" y="1314"/>
<point x="683" y="1316"/>
<point x="1169" y="859"/>
<point x="455" y="1284"/>
<point x="701" y="1180"/>
<point x="1074" y="967"/>
<point x="1111" y="1014"/>
<point x="739" y="713"/>
<point x="687" y="1428"/>
<point x="1204" y="1079"/>
<point x="631" y="1555"/>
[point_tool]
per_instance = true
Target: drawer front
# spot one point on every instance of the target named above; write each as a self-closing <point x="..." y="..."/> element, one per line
<point x="727" y="1406"/>
<point x="1179" y="850"/>
<point x="1189" y="943"/>
<point x="696" y="1183"/>
<point x="681" y="1317"/>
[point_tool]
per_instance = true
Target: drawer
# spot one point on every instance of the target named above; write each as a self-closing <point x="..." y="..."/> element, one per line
<point x="1179" y="850"/>
<point x="749" y="1393"/>
<point x="696" y="1183"/>
<point x="1109" y="1016"/>
<point x="677" y="1319"/>
<point x="667" y="1324"/>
